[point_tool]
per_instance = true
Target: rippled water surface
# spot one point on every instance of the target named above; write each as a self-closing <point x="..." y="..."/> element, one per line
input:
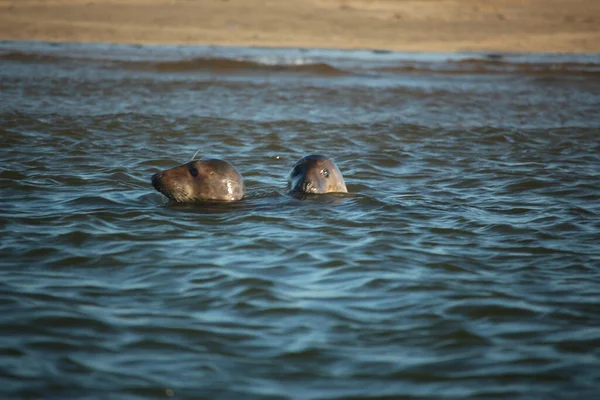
<point x="465" y="264"/>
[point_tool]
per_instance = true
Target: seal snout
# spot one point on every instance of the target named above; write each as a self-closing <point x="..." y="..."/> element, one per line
<point x="307" y="186"/>
<point x="156" y="180"/>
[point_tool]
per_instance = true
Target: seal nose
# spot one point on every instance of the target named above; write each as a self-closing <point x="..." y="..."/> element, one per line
<point x="156" y="178"/>
<point x="306" y="186"/>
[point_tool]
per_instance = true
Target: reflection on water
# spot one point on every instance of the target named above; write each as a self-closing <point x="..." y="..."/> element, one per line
<point x="465" y="262"/>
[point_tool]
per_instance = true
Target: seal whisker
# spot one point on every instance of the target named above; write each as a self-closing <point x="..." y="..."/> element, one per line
<point x="201" y="180"/>
<point x="325" y="160"/>
<point x="195" y="154"/>
<point x="316" y="174"/>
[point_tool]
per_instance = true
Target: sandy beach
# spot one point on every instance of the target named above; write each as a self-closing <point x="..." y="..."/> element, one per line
<point x="557" y="26"/>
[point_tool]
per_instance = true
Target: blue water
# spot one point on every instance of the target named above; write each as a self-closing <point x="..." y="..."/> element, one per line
<point x="464" y="264"/>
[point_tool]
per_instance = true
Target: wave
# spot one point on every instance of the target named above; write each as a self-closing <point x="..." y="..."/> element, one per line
<point x="217" y="65"/>
<point x="484" y="64"/>
<point x="494" y="66"/>
<point x="231" y="66"/>
<point x="32" y="57"/>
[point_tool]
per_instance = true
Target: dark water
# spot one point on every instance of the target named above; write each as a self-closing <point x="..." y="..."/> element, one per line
<point x="465" y="265"/>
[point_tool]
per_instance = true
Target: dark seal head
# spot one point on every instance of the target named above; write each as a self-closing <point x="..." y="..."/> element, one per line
<point x="316" y="174"/>
<point x="201" y="180"/>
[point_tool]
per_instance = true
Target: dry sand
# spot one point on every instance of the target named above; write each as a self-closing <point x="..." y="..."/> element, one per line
<point x="412" y="25"/>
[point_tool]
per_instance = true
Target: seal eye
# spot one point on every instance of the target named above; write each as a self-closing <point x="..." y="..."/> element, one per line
<point x="194" y="172"/>
<point x="325" y="172"/>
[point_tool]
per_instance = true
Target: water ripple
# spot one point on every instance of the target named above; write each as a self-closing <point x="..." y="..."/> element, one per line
<point x="464" y="262"/>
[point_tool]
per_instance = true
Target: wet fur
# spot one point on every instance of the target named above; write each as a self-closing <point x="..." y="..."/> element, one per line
<point x="307" y="176"/>
<point x="214" y="180"/>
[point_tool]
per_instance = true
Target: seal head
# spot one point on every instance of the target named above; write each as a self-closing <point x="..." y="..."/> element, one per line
<point x="316" y="174"/>
<point x="202" y="180"/>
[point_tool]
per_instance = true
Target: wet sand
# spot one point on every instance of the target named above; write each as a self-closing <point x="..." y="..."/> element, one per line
<point x="565" y="26"/>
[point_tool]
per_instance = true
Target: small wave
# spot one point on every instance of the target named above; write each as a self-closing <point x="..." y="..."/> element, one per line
<point x="44" y="58"/>
<point x="230" y="66"/>
<point x="486" y="64"/>
<point x="530" y="67"/>
<point x="198" y="64"/>
<point x="29" y="57"/>
<point x="494" y="66"/>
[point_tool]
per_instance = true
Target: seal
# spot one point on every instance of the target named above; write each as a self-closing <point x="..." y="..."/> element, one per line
<point x="316" y="174"/>
<point x="201" y="180"/>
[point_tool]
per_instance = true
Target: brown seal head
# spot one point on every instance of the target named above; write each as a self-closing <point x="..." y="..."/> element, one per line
<point x="316" y="174"/>
<point x="201" y="180"/>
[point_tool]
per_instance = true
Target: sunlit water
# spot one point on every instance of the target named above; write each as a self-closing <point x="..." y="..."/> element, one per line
<point x="465" y="264"/>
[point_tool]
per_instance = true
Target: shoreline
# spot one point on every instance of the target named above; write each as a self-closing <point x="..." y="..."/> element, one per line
<point x="489" y="54"/>
<point x="440" y="26"/>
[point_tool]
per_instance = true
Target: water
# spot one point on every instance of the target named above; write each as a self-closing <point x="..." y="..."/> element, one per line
<point x="465" y="264"/>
